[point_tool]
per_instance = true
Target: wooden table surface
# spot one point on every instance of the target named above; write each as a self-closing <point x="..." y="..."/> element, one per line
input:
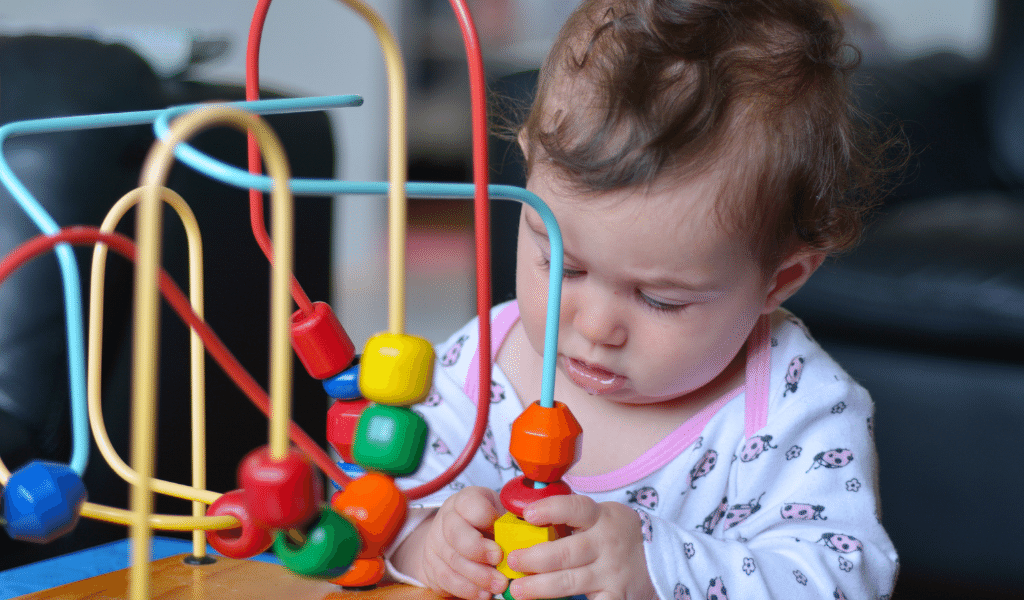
<point x="226" y="579"/>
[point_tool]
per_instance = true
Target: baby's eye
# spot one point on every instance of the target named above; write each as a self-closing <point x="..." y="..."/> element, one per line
<point x="660" y="305"/>
<point x="567" y="273"/>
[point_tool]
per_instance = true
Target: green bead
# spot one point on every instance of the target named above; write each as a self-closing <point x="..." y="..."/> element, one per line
<point x="330" y="547"/>
<point x="389" y="439"/>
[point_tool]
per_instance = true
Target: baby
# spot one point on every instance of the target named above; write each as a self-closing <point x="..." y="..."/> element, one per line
<point x="702" y="159"/>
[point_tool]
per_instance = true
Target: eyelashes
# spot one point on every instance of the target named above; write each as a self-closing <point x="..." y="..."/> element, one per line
<point x="645" y="300"/>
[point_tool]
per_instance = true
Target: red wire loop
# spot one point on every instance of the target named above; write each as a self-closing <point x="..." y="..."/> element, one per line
<point x="81" y="235"/>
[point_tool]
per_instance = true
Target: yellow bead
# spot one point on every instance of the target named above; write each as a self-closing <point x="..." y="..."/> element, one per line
<point x="513" y="533"/>
<point x="396" y="369"/>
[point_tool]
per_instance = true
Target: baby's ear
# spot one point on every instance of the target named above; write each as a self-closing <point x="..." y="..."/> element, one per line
<point x="791" y="276"/>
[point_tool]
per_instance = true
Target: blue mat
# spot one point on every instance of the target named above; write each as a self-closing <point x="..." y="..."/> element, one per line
<point x="87" y="563"/>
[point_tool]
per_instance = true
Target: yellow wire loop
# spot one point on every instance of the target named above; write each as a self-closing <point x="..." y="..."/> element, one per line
<point x="397" y="170"/>
<point x="197" y="492"/>
<point x="146" y="312"/>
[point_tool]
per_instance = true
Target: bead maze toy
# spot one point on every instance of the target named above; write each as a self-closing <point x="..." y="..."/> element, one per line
<point x="280" y="502"/>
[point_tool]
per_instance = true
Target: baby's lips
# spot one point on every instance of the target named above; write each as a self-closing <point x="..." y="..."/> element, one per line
<point x="596" y="381"/>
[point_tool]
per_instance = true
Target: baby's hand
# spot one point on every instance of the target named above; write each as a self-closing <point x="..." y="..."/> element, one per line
<point x="456" y="557"/>
<point x="603" y="558"/>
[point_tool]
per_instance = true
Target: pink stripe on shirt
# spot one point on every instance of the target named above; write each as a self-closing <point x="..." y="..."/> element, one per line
<point x="501" y="325"/>
<point x="755" y="410"/>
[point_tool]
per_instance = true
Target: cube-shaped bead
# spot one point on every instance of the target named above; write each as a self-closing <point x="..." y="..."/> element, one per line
<point x="344" y="385"/>
<point x="519" y="493"/>
<point x="375" y="505"/>
<point x="342" y="418"/>
<point x="544" y="441"/>
<point x="513" y="533"/>
<point x="320" y="342"/>
<point x="329" y="549"/>
<point x="390" y="439"/>
<point x="42" y="501"/>
<point x="281" y="494"/>
<point x="396" y="369"/>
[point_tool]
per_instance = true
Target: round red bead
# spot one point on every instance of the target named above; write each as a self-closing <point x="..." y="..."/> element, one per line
<point x="248" y="539"/>
<point x="281" y="494"/>
<point x="320" y="342"/>
<point x="517" y="494"/>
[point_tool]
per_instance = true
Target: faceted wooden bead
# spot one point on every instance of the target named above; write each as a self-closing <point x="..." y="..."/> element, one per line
<point x="375" y="505"/>
<point x="320" y="342"/>
<point x="342" y="419"/>
<point x="344" y="385"/>
<point x="364" y="573"/>
<point x="518" y="493"/>
<point x="396" y="369"/>
<point x="513" y="533"/>
<point x="544" y="441"/>
<point x="281" y="494"/>
<point x="390" y="439"/>
<point x="329" y="549"/>
<point x="42" y="501"/>
<point x="248" y="539"/>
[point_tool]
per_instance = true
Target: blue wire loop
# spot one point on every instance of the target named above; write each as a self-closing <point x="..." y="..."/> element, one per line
<point x="236" y="177"/>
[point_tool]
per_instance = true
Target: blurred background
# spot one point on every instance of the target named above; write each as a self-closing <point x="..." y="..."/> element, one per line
<point x="928" y="313"/>
<point x="317" y="47"/>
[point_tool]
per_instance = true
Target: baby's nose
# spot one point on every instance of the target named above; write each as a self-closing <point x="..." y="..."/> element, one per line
<point x="599" y="320"/>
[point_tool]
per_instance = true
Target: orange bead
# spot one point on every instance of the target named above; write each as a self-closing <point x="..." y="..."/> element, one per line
<point x="364" y="573"/>
<point x="544" y="441"/>
<point x="375" y="505"/>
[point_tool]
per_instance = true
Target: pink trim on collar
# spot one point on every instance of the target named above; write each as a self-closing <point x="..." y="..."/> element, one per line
<point x="501" y="325"/>
<point x="662" y="453"/>
<point x="759" y="366"/>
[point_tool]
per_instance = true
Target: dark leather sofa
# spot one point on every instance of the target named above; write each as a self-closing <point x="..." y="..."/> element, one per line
<point x="77" y="176"/>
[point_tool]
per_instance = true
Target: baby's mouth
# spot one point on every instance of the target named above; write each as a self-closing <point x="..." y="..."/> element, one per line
<point x="592" y="379"/>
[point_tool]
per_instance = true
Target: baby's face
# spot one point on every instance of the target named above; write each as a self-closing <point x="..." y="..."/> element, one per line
<point x="657" y="298"/>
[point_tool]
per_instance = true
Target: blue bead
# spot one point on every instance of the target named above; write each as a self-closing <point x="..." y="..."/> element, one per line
<point x="352" y="470"/>
<point x="344" y="385"/>
<point x="42" y="501"/>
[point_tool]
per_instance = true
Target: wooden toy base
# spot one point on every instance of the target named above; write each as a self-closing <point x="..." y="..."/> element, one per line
<point x="226" y="579"/>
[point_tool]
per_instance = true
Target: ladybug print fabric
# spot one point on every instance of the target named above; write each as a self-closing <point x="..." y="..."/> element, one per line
<point x="785" y="508"/>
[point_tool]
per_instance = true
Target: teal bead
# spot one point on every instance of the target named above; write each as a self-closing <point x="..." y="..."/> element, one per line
<point x="389" y="439"/>
<point x="331" y="546"/>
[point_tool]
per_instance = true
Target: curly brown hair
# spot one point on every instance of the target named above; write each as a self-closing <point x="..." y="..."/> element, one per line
<point x="638" y="91"/>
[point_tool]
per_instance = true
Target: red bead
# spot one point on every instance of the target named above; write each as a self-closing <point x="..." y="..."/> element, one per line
<point x="280" y="494"/>
<point x="249" y="539"/>
<point x="517" y="494"/>
<point x="544" y="441"/>
<point x="320" y="342"/>
<point x="364" y="572"/>
<point x="342" y="418"/>
<point x="375" y="505"/>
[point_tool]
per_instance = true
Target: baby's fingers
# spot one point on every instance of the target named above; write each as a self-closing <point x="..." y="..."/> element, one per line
<point x="557" y="584"/>
<point x="457" y="576"/>
<point x="462" y="538"/>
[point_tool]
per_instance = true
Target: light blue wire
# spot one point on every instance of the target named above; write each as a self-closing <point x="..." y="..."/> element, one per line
<point x="240" y="178"/>
<point x="65" y="256"/>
